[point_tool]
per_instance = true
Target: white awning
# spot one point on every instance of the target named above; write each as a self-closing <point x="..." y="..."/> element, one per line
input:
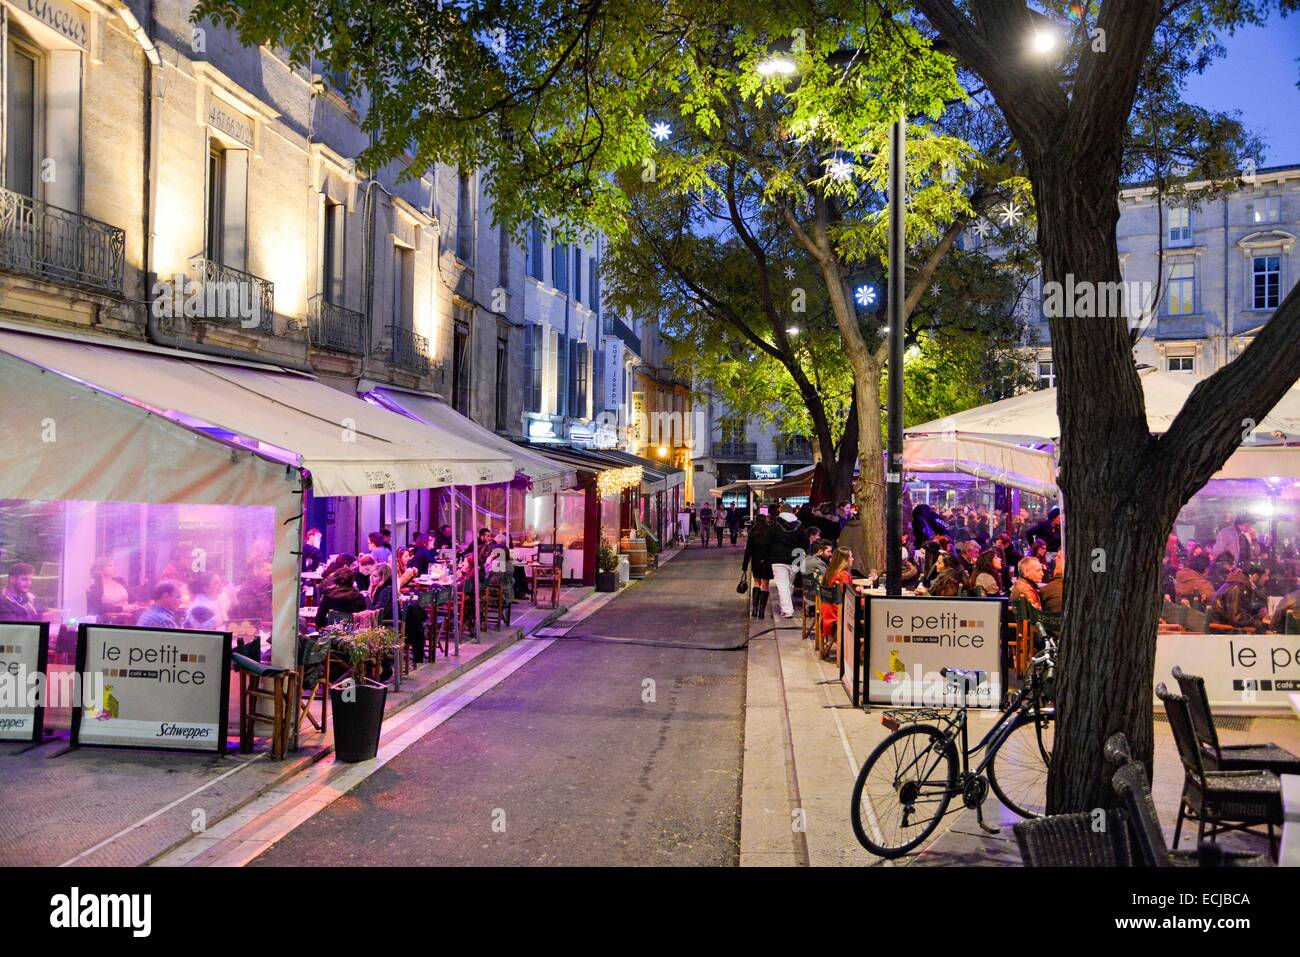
<point x="350" y="447"/>
<point x="1030" y="418"/>
<point x="547" y="474"/>
<point x="68" y="440"/>
<point x="1026" y="469"/>
<point x="1262" y="462"/>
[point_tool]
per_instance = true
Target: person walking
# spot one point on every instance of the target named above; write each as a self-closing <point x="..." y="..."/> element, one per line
<point x="706" y="525"/>
<point x="756" y="562"/>
<point x="733" y="523"/>
<point x="786" y="544"/>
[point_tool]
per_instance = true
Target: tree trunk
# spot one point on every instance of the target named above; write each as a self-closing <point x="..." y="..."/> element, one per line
<point x="1117" y="515"/>
<point x="869" y="550"/>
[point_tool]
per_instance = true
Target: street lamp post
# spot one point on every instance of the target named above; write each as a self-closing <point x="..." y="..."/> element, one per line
<point x="897" y="293"/>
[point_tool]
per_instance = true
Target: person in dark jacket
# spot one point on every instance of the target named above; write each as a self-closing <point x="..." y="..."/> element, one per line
<point x="733" y="523"/>
<point x="1049" y="530"/>
<point x="339" y="594"/>
<point x="757" y="563"/>
<point x="926" y="524"/>
<point x="1235" y="603"/>
<point x="1190" y="580"/>
<point x="787" y="544"/>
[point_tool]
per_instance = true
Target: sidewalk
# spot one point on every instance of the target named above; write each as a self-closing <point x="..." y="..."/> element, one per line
<point x="804" y="744"/>
<point x="88" y="806"/>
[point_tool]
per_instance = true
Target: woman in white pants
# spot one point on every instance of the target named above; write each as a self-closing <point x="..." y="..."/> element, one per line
<point x="787" y="545"/>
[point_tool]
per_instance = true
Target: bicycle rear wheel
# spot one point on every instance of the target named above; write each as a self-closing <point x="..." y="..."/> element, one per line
<point x="1018" y="771"/>
<point x="903" y="790"/>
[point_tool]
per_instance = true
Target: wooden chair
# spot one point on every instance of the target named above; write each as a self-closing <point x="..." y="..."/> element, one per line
<point x="548" y="573"/>
<point x="498" y="596"/>
<point x="1230" y="757"/>
<point x="259" y="682"/>
<point x="828" y="595"/>
<point x="810" y="626"/>
<point x="1219" y="801"/>
<point x="313" y="677"/>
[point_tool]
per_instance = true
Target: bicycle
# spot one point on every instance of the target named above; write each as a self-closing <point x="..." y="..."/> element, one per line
<point x="906" y="797"/>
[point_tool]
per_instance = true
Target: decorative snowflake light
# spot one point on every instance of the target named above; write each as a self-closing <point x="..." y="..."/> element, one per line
<point x="789" y="272"/>
<point x="865" y="296"/>
<point x="840" y="170"/>
<point x="1011" y="214"/>
<point x="982" y="228"/>
<point x="661" y="131"/>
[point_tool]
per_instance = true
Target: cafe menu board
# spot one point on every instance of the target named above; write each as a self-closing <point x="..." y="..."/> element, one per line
<point x="152" y="688"/>
<point x="24" y="648"/>
<point x="910" y="640"/>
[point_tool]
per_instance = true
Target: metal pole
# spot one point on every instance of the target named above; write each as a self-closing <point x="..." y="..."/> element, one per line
<point x="397" y="588"/>
<point x="509" y="489"/>
<point x="455" y="569"/>
<point x="894" y="456"/>
<point x="478" y="594"/>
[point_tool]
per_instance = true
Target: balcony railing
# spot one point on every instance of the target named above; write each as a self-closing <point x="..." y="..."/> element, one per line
<point x="334" y="327"/>
<point x="411" y="351"/>
<point x="735" y="451"/>
<point x="50" y="243"/>
<point x="792" y="452"/>
<point x="227" y="294"/>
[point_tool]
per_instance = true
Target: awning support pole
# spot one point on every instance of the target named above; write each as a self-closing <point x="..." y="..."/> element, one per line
<point x="478" y="585"/>
<point x="455" y="567"/>
<point x="399" y="652"/>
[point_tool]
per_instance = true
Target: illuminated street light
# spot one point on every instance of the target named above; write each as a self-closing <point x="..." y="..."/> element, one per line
<point x="792" y="330"/>
<point x="1044" y="41"/>
<point x="777" y="64"/>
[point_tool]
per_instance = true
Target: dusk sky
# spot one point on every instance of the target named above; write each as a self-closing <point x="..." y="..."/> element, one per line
<point x="1258" y="77"/>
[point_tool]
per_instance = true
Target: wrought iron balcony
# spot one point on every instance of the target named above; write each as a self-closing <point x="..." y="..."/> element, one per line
<point x="795" y="451"/>
<point x="57" y="245"/>
<point x="735" y="451"/>
<point x="227" y="294"/>
<point x="411" y="351"/>
<point x="334" y="327"/>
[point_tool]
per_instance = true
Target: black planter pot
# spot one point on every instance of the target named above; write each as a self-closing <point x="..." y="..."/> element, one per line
<point x="357" y="722"/>
<point x="606" y="581"/>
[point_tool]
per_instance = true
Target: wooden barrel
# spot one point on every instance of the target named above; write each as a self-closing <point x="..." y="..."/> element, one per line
<point x="637" y="559"/>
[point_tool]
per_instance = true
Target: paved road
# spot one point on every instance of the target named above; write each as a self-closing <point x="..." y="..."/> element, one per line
<point x="567" y="754"/>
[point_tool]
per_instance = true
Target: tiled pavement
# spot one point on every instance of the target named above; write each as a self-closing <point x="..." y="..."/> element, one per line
<point x="122" y="807"/>
<point x="828" y="740"/>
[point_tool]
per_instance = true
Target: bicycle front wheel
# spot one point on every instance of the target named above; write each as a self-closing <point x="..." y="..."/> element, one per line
<point x="903" y="790"/>
<point x="1018" y="771"/>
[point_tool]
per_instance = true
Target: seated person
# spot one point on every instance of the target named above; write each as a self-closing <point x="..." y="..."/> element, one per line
<point x="340" y="562"/>
<point x="17" y="603"/>
<point x="421" y="554"/>
<point x="164" y="612"/>
<point x="366" y="565"/>
<point x="201" y="618"/>
<point x="1234" y="603"/>
<point x="947" y="580"/>
<point x="107" y="594"/>
<point x="1053" y="593"/>
<point x="254" y="601"/>
<point x="1031" y="574"/>
<point x="339" y="593"/>
<point x="1191" y="581"/>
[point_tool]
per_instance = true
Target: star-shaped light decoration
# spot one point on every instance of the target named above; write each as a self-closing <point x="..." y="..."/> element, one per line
<point x="1011" y="214"/>
<point x="865" y="296"/>
<point x="661" y="131"/>
<point x="789" y="272"/>
<point x="840" y="169"/>
<point x="982" y="228"/>
<point x="935" y="290"/>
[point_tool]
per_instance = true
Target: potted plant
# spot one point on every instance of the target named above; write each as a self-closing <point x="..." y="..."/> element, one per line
<point x="606" y="567"/>
<point x="358" y="701"/>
